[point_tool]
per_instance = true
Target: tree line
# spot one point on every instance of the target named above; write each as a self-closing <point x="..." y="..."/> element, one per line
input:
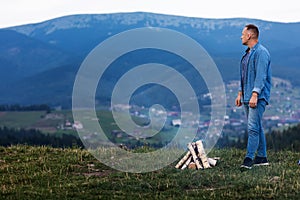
<point x="288" y="139"/>
<point x="17" y="107"/>
<point x="277" y="140"/>
<point x="33" y="137"/>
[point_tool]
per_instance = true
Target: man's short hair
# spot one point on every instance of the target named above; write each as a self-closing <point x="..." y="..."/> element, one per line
<point x="253" y="29"/>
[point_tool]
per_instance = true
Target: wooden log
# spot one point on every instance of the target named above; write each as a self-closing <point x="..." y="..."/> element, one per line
<point x="192" y="165"/>
<point x="183" y="160"/>
<point x="187" y="162"/>
<point x="202" y="154"/>
<point x="195" y="158"/>
<point x="212" y="162"/>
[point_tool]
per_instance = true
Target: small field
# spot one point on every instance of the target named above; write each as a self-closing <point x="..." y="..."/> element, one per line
<point x="48" y="173"/>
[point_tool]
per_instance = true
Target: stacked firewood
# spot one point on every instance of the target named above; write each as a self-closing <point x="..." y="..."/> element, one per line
<point x="196" y="158"/>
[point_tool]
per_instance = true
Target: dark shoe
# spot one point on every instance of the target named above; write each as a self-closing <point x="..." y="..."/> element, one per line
<point x="260" y="161"/>
<point x="247" y="164"/>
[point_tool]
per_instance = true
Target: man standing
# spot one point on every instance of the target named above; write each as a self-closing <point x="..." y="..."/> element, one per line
<point x="254" y="94"/>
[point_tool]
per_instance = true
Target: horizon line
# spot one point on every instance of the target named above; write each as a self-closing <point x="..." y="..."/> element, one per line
<point x="113" y="13"/>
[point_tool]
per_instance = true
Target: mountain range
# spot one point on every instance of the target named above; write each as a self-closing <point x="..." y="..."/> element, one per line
<point x="39" y="62"/>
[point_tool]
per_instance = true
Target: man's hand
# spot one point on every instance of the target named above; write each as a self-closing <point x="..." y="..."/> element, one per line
<point x="253" y="100"/>
<point x="238" y="101"/>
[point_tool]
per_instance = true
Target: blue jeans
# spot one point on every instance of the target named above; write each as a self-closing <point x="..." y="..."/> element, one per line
<point x="256" y="136"/>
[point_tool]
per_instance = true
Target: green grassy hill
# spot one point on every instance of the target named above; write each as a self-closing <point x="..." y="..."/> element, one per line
<point x="51" y="173"/>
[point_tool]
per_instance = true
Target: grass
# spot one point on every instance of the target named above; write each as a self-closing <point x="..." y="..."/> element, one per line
<point x="36" y="120"/>
<point x="20" y="119"/>
<point x="47" y="173"/>
<point x="29" y="120"/>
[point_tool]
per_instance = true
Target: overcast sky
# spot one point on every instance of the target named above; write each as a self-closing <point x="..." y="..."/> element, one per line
<point x="17" y="12"/>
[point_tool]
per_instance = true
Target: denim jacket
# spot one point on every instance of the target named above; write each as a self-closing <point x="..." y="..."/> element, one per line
<point x="258" y="76"/>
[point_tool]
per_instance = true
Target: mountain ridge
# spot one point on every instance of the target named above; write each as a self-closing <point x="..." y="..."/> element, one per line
<point x="65" y="22"/>
<point x="72" y="37"/>
<point x="25" y="56"/>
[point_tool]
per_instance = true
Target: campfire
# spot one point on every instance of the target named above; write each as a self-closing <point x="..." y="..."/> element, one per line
<point x="196" y="158"/>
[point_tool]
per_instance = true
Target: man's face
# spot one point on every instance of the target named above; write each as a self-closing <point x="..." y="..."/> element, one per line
<point x="245" y="36"/>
